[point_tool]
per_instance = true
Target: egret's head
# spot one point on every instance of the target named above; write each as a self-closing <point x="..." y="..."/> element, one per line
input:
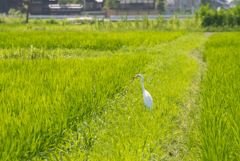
<point x="138" y="75"/>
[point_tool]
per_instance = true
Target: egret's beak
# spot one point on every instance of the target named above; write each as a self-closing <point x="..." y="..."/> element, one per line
<point x="134" y="77"/>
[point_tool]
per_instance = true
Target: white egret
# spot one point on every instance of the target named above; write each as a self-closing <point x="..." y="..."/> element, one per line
<point x="146" y="96"/>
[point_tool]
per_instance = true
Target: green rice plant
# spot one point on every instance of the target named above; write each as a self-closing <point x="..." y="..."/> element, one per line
<point x="37" y="21"/>
<point x="110" y="25"/>
<point x="125" y="130"/>
<point x="159" y="21"/>
<point x="2" y="18"/>
<point x="51" y="21"/>
<point x="177" y="21"/>
<point x="170" y="24"/>
<point x="98" y="24"/>
<point x="219" y="124"/>
<point x="137" y="22"/>
<point x="41" y="98"/>
<point x="145" y="21"/>
<point x="120" y="24"/>
<point x="69" y="95"/>
<point x="112" y="41"/>
<point x="29" y="25"/>
<point x="41" y="52"/>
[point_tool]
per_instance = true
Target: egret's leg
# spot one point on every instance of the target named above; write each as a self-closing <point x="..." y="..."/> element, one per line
<point x="151" y="112"/>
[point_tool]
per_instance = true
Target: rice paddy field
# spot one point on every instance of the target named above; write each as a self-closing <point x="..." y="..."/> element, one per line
<point x="69" y="95"/>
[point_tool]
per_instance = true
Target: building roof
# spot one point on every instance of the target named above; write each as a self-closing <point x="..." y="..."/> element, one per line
<point x="170" y="2"/>
<point x="218" y="3"/>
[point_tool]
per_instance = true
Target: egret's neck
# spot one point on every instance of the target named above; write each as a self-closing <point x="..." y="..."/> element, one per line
<point x="142" y="84"/>
<point x="143" y="90"/>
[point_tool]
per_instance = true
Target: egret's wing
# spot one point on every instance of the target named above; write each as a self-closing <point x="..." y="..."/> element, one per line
<point x="148" y="99"/>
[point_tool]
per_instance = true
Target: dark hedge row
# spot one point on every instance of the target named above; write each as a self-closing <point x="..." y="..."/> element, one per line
<point x="219" y="17"/>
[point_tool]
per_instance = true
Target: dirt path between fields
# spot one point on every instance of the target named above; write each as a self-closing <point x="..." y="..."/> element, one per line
<point x="209" y="34"/>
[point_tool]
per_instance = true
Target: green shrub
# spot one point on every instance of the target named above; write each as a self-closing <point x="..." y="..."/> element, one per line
<point x="188" y="11"/>
<point x="110" y="24"/>
<point x="236" y="11"/>
<point x="177" y="21"/>
<point x="2" y="18"/>
<point x="136" y="22"/>
<point x="159" y="21"/>
<point x="29" y="26"/>
<point x="221" y="18"/>
<point x="51" y="21"/>
<point x="145" y="21"/>
<point x="36" y="21"/>
<point x="212" y="17"/>
<point x="11" y="12"/>
<point x="230" y="18"/>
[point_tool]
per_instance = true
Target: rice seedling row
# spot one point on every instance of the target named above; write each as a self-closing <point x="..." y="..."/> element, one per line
<point x="40" y="99"/>
<point x="125" y="129"/>
<point x="219" y="126"/>
<point x="100" y="41"/>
